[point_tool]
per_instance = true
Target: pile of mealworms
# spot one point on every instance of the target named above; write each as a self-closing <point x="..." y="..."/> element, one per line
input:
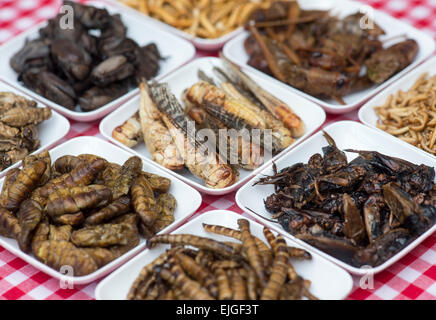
<point x="411" y="115"/>
<point x="200" y="268"/>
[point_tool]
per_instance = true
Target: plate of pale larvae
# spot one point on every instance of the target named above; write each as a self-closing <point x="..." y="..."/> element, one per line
<point x="212" y="124"/>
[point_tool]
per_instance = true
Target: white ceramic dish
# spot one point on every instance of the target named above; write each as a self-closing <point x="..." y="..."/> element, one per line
<point x="329" y="282"/>
<point x="367" y="114"/>
<point x="234" y="50"/>
<point x="50" y="131"/>
<point x="312" y="115"/>
<point x="199" y="43"/>
<point x="348" y="135"/>
<point x="177" y="51"/>
<point x="112" y="153"/>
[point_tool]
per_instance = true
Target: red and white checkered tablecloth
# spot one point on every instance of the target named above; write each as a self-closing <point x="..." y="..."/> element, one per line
<point x="413" y="277"/>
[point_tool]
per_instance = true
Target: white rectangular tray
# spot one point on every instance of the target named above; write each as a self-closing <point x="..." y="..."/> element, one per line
<point x="329" y="282"/>
<point x="234" y="50"/>
<point x="312" y="115"/>
<point x="181" y="191"/>
<point x="367" y="114"/>
<point x="199" y="43"/>
<point x="176" y="52"/>
<point x="348" y="135"/>
<point x="50" y="131"/>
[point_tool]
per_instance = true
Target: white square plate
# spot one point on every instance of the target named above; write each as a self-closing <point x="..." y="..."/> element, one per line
<point x="329" y="282"/>
<point x="176" y="51"/>
<point x="50" y="131"/>
<point x="348" y="135"/>
<point x="367" y="114"/>
<point x="312" y="115"/>
<point x="199" y="43"/>
<point x="181" y="191"/>
<point x="234" y="50"/>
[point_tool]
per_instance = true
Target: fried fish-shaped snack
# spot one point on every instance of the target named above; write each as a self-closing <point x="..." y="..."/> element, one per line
<point x="166" y="205"/>
<point x="157" y="183"/>
<point x="66" y="164"/>
<point x="27" y="181"/>
<point x="9" y="225"/>
<point x="114" y="209"/>
<point x="45" y="156"/>
<point x="143" y="201"/>
<point x="22" y="116"/>
<point x="57" y="254"/>
<point x="103" y="235"/>
<point x="72" y="200"/>
<point x="121" y="181"/>
<point x="29" y="216"/>
<point x="80" y="176"/>
<point x="73" y="219"/>
<point x="60" y="233"/>
<point x="10" y="178"/>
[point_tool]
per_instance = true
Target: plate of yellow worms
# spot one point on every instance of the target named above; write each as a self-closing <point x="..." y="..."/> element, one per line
<point x="211" y="124"/>
<point x="81" y="210"/>
<point x="222" y="255"/>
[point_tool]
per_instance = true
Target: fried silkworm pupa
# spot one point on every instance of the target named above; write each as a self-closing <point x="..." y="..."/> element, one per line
<point x="45" y="156"/>
<point x="103" y="235"/>
<point x="121" y="182"/>
<point x="11" y="177"/>
<point x="27" y="180"/>
<point x="42" y="233"/>
<point x="8" y="132"/>
<point x="198" y="272"/>
<point x="57" y="254"/>
<point x="157" y="183"/>
<point x="72" y="200"/>
<point x="60" y="233"/>
<point x="252" y="252"/>
<point x="66" y="164"/>
<point x="9" y="225"/>
<point x="112" y="210"/>
<point x="101" y="256"/>
<point x="165" y="207"/>
<point x="279" y="270"/>
<point x="143" y="201"/>
<point x="73" y="219"/>
<point x="80" y="176"/>
<point x="29" y="216"/>
<point x="175" y="276"/>
<point x="217" y="247"/>
<point x="22" y="116"/>
<point x="132" y="235"/>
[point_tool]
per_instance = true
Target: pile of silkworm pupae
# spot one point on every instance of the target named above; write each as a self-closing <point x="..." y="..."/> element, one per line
<point x="200" y="268"/>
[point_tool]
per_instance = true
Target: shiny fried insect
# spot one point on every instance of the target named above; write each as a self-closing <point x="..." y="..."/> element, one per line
<point x="27" y="180"/>
<point x="9" y="225"/>
<point x="72" y="200"/>
<point x="165" y="207"/>
<point x="65" y="164"/>
<point x="42" y="233"/>
<point x="238" y="285"/>
<point x="61" y="233"/>
<point x="112" y="210"/>
<point x="143" y="201"/>
<point x="22" y="116"/>
<point x="11" y="177"/>
<point x="122" y="180"/>
<point x="157" y="183"/>
<point x="101" y="256"/>
<point x="224" y="289"/>
<point x="45" y="156"/>
<point x="29" y="216"/>
<point x="73" y="219"/>
<point x="104" y="235"/>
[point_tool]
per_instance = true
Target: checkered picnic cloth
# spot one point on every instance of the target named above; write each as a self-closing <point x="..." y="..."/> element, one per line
<point x="413" y="277"/>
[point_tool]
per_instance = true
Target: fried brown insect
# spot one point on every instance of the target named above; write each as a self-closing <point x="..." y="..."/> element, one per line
<point x="157" y="183"/>
<point x="114" y="209"/>
<point x="9" y="225"/>
<point x="251" y="284"/>
<point x="143" y="201"/>
<point x="196" y="241"/>
<point x="74" y="219"/>
<point x="57" y="254"/>
<point x="225" y="264"/>
<point x="122" y="180"/>
<point x="72" y="200"/>
<point x="101" y="256"/>
<point x="42" y="232"/>
<point x="27" y="181"/>
<point x="199" y="273"/>
<point x="11" y="177"/>
<point x="29" y="216"/>
<point x="104" y="235"/>
<point x="165" y="207"/>
<point x="253" y="253"/>
<point x="66" y="164"/>
<point x="238" y="285"/>
<point x="8" y="132"/>
<point x="279" y="270"/>
<point x="175" y="276"/>
<point x="22" y="116"/>
<point x="204" y="258"/>
<point x="45" y="156"/>
<point x="224" y="289"/>
<point x="61" y="233"/>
